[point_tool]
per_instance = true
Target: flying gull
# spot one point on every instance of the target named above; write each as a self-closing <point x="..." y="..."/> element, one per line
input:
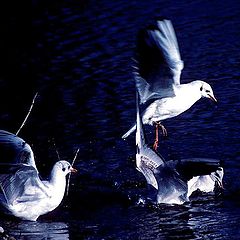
<point x="157" y="76"/>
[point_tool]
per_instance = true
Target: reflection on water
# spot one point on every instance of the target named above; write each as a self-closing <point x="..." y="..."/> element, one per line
<point x="38" y="230"/>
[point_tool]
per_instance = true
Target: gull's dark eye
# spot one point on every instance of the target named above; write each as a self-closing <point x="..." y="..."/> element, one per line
<point x="207" y="91"/>
<point x="68" y="167"/>
<point x="64" y="169"/>
<point x="201" y="88"/>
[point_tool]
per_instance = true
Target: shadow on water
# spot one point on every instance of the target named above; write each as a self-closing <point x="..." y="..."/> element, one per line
<point x="77" y="55"/>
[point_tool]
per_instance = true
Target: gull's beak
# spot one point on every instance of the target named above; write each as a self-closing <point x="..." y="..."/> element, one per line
<point x="73" y="170"/>
<point x="212" y="98"/>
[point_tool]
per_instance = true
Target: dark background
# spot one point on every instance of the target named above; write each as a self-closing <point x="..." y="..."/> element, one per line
<point x="77" y="56"/>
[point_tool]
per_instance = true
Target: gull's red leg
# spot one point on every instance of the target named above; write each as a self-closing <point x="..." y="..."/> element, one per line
<point x="164" y="133"/>
<point x="164" y="130"/>
<point x="155" y="145"/>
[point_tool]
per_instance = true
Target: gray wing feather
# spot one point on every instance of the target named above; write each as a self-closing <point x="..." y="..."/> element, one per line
<point x="14" y="149"/>
<point x="159" y="62"/>
<point x="146" y="91"/>
<point x="167" y="41"/>
<point x="23" y="184"/>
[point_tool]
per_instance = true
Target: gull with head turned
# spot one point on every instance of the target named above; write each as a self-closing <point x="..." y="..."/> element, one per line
<point x="157" y="77"/>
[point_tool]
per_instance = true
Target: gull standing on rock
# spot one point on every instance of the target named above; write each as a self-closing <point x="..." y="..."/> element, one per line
<point x="157" y="76"/>
<point x="23" y="194"/>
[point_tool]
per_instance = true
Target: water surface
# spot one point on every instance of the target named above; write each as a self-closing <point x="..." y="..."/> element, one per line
<point x="77" y="56"/>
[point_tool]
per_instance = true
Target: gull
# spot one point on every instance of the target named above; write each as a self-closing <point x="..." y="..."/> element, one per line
<point x="174" y="181"/>
<point x="158" y="78"/>
<point x="23" y="194"/>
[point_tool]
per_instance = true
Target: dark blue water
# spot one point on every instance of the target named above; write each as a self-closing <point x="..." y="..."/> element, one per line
<point x="77" y="56"/>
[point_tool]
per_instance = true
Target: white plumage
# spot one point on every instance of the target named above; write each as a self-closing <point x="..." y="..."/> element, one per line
<point x="23" y="194"/>
<point x="158" y="77"/>
<point x="174" y="181"/>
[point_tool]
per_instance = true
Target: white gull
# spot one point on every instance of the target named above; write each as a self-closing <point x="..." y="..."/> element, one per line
<point x="158" y="74"/>
<point x="23" y="194"/>
<point x="174" y="181"/>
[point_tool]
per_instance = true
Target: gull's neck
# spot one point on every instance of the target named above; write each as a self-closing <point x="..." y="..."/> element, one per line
<point x="56" y="177"/>
<point x="190" y="90"/>
<point x="58" y="184"/>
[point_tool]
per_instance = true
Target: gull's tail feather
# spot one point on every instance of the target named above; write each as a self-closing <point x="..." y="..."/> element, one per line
<point x="131" y="130"/>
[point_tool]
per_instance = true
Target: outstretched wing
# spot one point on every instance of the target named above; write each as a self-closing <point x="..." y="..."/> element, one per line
<point x="146" y="159"/>
<point x="193" y="167"/>
<point x="171" y="187"/>
<point x="159" y="63"/>
<point x="21" y="183"/>
<point x="14" y="149"/>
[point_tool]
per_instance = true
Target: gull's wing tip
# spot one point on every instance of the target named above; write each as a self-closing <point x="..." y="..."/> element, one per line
<point x="161" y="18"/>
<point x="153" y="25"/>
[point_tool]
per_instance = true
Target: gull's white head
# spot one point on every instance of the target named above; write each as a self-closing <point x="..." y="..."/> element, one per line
<point x="206" y="91"/>
<point x="64" y="167"/>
